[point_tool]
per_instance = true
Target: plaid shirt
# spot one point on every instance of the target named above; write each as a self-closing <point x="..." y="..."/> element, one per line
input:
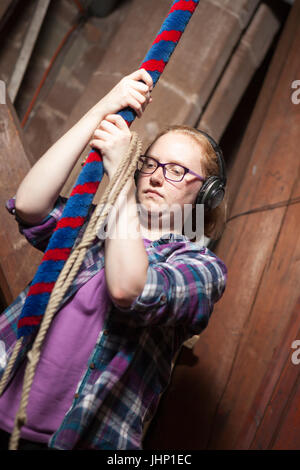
<point x="131" y="363"/>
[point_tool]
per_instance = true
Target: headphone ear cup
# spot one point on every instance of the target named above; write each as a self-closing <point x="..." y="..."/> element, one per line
<point x="212" y="193"/>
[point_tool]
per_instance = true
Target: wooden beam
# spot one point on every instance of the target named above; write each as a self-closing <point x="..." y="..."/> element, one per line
<point x="4" y="5"/>
<point x="27" y="48"/>
<point x="18" y="260"/>
<point x="7" y="8"/>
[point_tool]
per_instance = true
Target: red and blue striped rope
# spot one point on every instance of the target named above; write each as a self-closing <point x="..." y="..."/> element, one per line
<point x="81" y="197"/>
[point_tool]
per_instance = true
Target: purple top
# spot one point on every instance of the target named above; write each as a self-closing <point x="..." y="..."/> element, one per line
<point x="64" y="359"/>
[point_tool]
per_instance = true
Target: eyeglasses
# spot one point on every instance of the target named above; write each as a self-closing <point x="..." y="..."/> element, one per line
<point x="171" y="171"/>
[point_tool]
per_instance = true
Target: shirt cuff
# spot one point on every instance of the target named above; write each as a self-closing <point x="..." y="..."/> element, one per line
<point x="38" y="234"/>
<point x="10" y="205"/>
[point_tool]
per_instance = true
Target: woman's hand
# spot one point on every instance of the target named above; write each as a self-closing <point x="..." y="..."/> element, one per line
<point x="112" y="138"/>
<point x="130" y="91"/>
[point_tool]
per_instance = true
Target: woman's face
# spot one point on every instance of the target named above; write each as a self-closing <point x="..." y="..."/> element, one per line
<point x="153" y="191"/>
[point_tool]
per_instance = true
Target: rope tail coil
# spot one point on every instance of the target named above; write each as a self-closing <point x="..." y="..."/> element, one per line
<point x="61" y="261"/>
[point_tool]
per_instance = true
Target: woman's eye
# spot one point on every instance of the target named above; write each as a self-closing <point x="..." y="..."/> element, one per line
<point x="175" y="170"/>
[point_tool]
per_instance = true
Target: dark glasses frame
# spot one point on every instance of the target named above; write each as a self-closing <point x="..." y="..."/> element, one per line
<point x="163" y="165"/>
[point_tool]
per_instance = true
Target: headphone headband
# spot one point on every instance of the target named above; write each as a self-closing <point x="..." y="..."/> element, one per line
<point x="212" y="191"/>
<point x="219" y="155"/>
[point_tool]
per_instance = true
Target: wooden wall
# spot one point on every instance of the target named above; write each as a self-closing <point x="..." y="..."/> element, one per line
<point x="238" y="388"/>
<point x="18" y="260"/>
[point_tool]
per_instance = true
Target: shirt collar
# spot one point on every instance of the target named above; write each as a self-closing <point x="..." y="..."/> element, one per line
<point x="169" y="238"/>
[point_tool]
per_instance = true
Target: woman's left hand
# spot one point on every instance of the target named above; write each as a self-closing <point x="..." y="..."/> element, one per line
<point x="112" y="138"/>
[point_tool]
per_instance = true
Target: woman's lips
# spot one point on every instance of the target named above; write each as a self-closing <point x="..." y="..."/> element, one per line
<point x="153" y="193"/>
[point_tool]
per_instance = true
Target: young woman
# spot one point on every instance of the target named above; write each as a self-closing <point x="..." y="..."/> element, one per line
<point x="107" y="356"/>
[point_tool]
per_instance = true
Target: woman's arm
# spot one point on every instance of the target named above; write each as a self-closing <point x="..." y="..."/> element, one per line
<point x="41" y="186"/>
<point x="126" y="260"/>
<point x="181" y="290"/>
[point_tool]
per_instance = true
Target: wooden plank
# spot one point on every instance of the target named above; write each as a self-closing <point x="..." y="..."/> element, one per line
<point x="4" y="5"/>
<point x="268" y="409"/>
<point x="5" y="291"/>
<point x="7" y="8"/>
<point x="213" y="388"/>
<point x="27" y="48"/>
<point x="18" y="260"/>
<point x="287" y="437"/>
<point x="273" y="325"/>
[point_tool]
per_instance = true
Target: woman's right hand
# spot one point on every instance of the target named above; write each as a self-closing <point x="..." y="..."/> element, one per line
<point x="130" y="91"/>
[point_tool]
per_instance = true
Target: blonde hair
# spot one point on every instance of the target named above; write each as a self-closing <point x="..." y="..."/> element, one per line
<point x="214" y="219"/>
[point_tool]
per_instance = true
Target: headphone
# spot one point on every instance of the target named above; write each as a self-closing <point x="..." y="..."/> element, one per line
<point x="212" y="191"/>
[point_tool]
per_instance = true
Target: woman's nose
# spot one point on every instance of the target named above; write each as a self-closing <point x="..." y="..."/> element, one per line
<point x="158" y="175"/>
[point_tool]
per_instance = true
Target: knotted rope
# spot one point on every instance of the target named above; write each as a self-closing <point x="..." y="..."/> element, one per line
<point x="60" y="264"/>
